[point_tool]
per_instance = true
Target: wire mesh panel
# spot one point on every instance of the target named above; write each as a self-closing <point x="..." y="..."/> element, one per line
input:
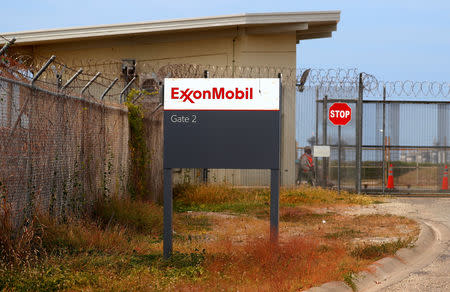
<point x="404" y="124"/>
<point x="58" y="153"/>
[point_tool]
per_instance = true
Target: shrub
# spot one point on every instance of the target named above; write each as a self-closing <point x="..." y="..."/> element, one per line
<point x="378" y="251"/>
<point x="17" y="245"/>
<point x="133" y="214"/>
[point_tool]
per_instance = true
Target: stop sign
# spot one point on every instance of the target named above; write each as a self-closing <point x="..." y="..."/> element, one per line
<point x="340" y="114"/>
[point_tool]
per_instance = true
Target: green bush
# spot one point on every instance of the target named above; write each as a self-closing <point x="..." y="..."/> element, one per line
<point x="139" y="154"/>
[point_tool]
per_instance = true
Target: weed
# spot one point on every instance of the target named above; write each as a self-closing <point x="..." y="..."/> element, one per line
<point x="345" y="233"/>
<point x="195" y="223"/>
<point x="139" y="154"/>
<point x="219" y="198"/>
<point x="261" y="265"/>
<point x="21" y="245"/>
<point x="76" y="236"/>
<point x="119" y="247"/>
<point x="44" y="278"/>
<point x="133" y="214"/>
<point x="216" y="194"/>
<point x="378" y="251"/>
<point x="319" y="196"/>
<point x="349" y="279"/>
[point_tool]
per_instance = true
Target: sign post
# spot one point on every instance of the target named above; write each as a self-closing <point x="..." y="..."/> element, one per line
<point x="339" y="159"/>
<point x="339" y="114"/>
<point x="168" y="213"/>
<point x="221" y="123"/>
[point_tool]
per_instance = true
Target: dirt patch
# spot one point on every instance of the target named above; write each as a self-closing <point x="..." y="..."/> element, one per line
<point x="352" y="237"/>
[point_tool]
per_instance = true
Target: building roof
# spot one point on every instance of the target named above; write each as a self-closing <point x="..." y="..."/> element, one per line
<point x="307" y="25"/>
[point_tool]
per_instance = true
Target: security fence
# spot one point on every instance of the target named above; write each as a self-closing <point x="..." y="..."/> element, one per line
<point x="402" y="125"/>
<point x="60" y="148"/>
<point x="149" y="75"/>
<point x="416" y="147"/>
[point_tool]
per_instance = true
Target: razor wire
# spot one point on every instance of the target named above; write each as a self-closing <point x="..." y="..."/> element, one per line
<point x="328" y="80"/>
<point x="331" y="80"/>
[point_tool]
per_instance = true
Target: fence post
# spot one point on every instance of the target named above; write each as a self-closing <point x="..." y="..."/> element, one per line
<point x="29" y="169"/>
<point x="30" y="191"/>
<point x="359" y="109"/>
<point x="324" y="138"/>
<point x="108" y="89"/>
<point x="39" y="73"/>
<point x="22" y="109"/>
<point x="126" y="88"/>
<point x="7" y="45"/>
<point x="384" y="138"/>
<point x="9" y="104"/>
<point x="72" y="79"/>
<point x="89" y="83"/>
<point x="316" y="139"/>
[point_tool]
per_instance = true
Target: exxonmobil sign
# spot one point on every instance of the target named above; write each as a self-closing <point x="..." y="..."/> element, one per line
<point x="222" y="123"/>
<point x="221" y="94"/>
<point x="191" y="95"/>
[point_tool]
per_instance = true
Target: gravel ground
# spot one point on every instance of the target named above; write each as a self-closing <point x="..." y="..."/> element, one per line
<point x="436" y="275"/>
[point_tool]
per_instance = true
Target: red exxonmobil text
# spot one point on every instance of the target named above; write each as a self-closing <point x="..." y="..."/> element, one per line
<point x="215" y="93"/>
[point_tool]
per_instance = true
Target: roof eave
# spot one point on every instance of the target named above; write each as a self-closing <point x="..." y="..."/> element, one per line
<point x="248" y="19"/>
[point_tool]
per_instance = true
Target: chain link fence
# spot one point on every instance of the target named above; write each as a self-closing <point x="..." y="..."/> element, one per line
<point x="59" y="149"/>
<point x="368" y="148"/>
<point x="417" y="147"/>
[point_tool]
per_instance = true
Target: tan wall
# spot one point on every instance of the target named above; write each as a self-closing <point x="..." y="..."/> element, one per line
<point x="229" y="47"/>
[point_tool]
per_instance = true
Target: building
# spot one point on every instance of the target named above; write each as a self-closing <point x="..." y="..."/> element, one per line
<point x="259" y="40"/>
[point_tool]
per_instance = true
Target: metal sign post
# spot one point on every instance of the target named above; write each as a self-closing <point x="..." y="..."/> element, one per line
<point x="232" y="123"/>
<point x="275" y="181"/>
<point x="339" y="114"/>
<point x="274" y="204"/>
<point x="168" y="213"/>
<point x="339" y="160"/>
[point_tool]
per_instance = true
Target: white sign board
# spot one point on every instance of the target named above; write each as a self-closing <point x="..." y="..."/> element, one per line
<point x="235" y="94"/>
<point x="321" y="151"/>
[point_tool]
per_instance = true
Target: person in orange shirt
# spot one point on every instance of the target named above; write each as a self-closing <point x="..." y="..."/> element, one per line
<point x="306" y="169"/>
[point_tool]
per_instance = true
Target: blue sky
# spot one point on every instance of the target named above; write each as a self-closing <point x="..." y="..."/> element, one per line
<point x="394" y="40"/>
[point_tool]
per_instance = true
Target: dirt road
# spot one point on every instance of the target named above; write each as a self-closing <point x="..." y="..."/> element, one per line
<point x="435" y="275"/>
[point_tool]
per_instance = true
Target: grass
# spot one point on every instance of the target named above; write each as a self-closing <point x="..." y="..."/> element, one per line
<point x="220" y="243"/>
<point x="259" y="265"/>
<point x="349" y="279"/>
<point x="225" y="198"/>
<point x="132" y="214"/>
<point x="344" y="233"/>
<point x="378" y="251"/>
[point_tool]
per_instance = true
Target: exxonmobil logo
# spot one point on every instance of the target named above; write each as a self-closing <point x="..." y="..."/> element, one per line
<point x="222" y="94"/>
<point x="190" y="95"/>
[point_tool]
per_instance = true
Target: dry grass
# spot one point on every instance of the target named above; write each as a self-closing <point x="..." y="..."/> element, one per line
<point x="259" y="265"/>
<point x="225" y="198"/>
<point x="18" y="246"/>
<point x="120" y="247"/>
<point x="137" y="215"/>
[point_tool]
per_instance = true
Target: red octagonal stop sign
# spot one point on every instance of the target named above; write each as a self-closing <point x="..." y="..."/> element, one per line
<point x="340" y="113"/>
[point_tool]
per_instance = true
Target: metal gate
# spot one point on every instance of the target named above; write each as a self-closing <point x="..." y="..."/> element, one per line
<point x="404" y="125"/>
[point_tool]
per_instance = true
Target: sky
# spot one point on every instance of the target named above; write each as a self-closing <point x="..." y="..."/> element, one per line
<point x="393" y="40"/>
